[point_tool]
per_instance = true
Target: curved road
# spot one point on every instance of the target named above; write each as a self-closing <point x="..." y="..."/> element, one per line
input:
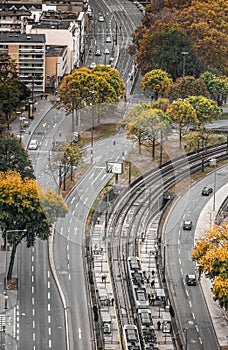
<point x="194" y="320"/>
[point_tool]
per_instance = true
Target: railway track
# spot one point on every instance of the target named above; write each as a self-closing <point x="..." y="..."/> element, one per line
<point x="132" y="214"/>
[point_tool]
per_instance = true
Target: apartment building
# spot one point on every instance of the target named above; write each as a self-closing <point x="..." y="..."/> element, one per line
<point x="62" y="25"/>
<point x="28" y="51"/>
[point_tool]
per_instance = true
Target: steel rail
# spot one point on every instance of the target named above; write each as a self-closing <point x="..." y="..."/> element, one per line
<point x="125" y="221"/>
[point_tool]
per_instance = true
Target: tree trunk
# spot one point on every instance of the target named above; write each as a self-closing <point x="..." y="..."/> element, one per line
<point x="11" y="264"/>
<point x="153" y="148"/>
<point x="139" y="146"/>
<point x="180" y="137"/>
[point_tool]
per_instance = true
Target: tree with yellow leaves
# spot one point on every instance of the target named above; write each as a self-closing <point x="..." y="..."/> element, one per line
<point x="211" y="254"/>
<point x="26" y="211"/>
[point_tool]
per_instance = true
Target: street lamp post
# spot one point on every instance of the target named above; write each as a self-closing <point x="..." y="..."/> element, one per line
<point x="92" y="106"/>
<point x="213" y="162"/>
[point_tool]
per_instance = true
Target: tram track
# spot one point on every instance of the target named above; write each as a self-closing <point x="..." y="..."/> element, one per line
<point x="132" y="214"/>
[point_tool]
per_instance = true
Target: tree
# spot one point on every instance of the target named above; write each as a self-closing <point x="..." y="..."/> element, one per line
<point x="157" y="81"/>
<point x="182" y="113"/>
<point x="72" y="156"/>
<point x="163" y="47"/>
<point x="217" y="87"/>
<point x="161" y="103"/>
<point x="14" y="157"/>
<point x="12" y="91"/>
<point x="156" y="124"/>
<point x="187" y="86"/>
<point x="26" y="211"/>
<point x="211" y="255"/>
<point x="206" y="110"/>
<point x="84" y="87"/>
<point x="132" y="121"/>
<point x="203" y="23"/>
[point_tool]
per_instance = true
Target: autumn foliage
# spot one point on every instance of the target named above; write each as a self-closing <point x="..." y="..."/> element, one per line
<point x="211" y="255"/>
<point x="170" y="28"/>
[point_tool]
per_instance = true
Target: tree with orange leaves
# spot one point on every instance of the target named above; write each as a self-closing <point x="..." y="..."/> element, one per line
<point x="211" y="254"/>
<point x="26" y="211"/>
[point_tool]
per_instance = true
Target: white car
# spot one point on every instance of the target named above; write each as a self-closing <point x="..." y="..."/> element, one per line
<point x="108" y="39"/>
<point x="98" y="52"/>
<point x="101" y="19"/>
<point x="92" y="65"/>
<point x="106" y="51"/>
<point x="33" y="144"/>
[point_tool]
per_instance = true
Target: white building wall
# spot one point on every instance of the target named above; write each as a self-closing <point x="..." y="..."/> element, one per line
<point x="61" y="37"/>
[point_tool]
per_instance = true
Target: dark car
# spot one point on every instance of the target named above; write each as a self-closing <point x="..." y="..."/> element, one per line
<point x="187" y="225"/>
<point x="206" y="191"/>
<point x="190" y="280"/>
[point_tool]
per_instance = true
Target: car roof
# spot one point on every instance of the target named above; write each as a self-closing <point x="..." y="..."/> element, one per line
<point x="191" y="276"/>
<point x="187" y="222"/>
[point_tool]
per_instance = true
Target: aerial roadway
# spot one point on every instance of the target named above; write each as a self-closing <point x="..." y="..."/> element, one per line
<point x="188" y="300"/>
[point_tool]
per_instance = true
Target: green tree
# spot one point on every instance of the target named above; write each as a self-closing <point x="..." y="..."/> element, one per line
<point x="157" y="81"/>
<point x="206" y="110"/>
<point x="162" y="48"/>
<point x="12" y="91"/>
<point x="211" y="255"/>
<point x="14" y="157"/>
<point x="26" y="212"/>
<point x="217" y="87"/>
<point x="72" y="156"/>
<point x="182" y="113"/>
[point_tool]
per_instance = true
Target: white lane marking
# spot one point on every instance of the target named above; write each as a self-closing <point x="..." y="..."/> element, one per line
<point x="33" y="300"/>
<point x="49" y="295"/>
<point x="49" y="319"/>
<point x="49" y="331"/>
<point x="94" y="180"/>
<point x="32" y="278"/>
<point x="68" y="228"/>
<point x="200" y="340"/>
<point x="54" y="125"/>
<point x="75" y="231"/>
<point x="79" y="333"/>
<point x="61" y="230"/>
<point x="68" y="257"/>
<point x="103" y="176"/>
<point x="67" y="247"/>
<point x="91" y="176"/>
<point x="181" y="271"/>
<point x="49" y="307"/>
<point x="33" y="336"/>
<point x="179" y="261"/>
<point x="33" y="324"/>
<point x="32" y="268"/>
<point x="73" y="212"/>
<point x="186" y="292"/>
<point x="48" y="284"/>
<point x="33" y="312"/>
<point x="72" y="200"/>
<point x="32" y="258"/>
<point x="32" y="289"/>
<point x="190" y="303"/>
<point x="43" y="125"/>
<point x="197" y="328"/>
<point x="193" y="315"/>
<point x="85" y="200"/>
<point x="48" y="274"/>
<point x="49" y="343"/>
<point x="69" y="277"/>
